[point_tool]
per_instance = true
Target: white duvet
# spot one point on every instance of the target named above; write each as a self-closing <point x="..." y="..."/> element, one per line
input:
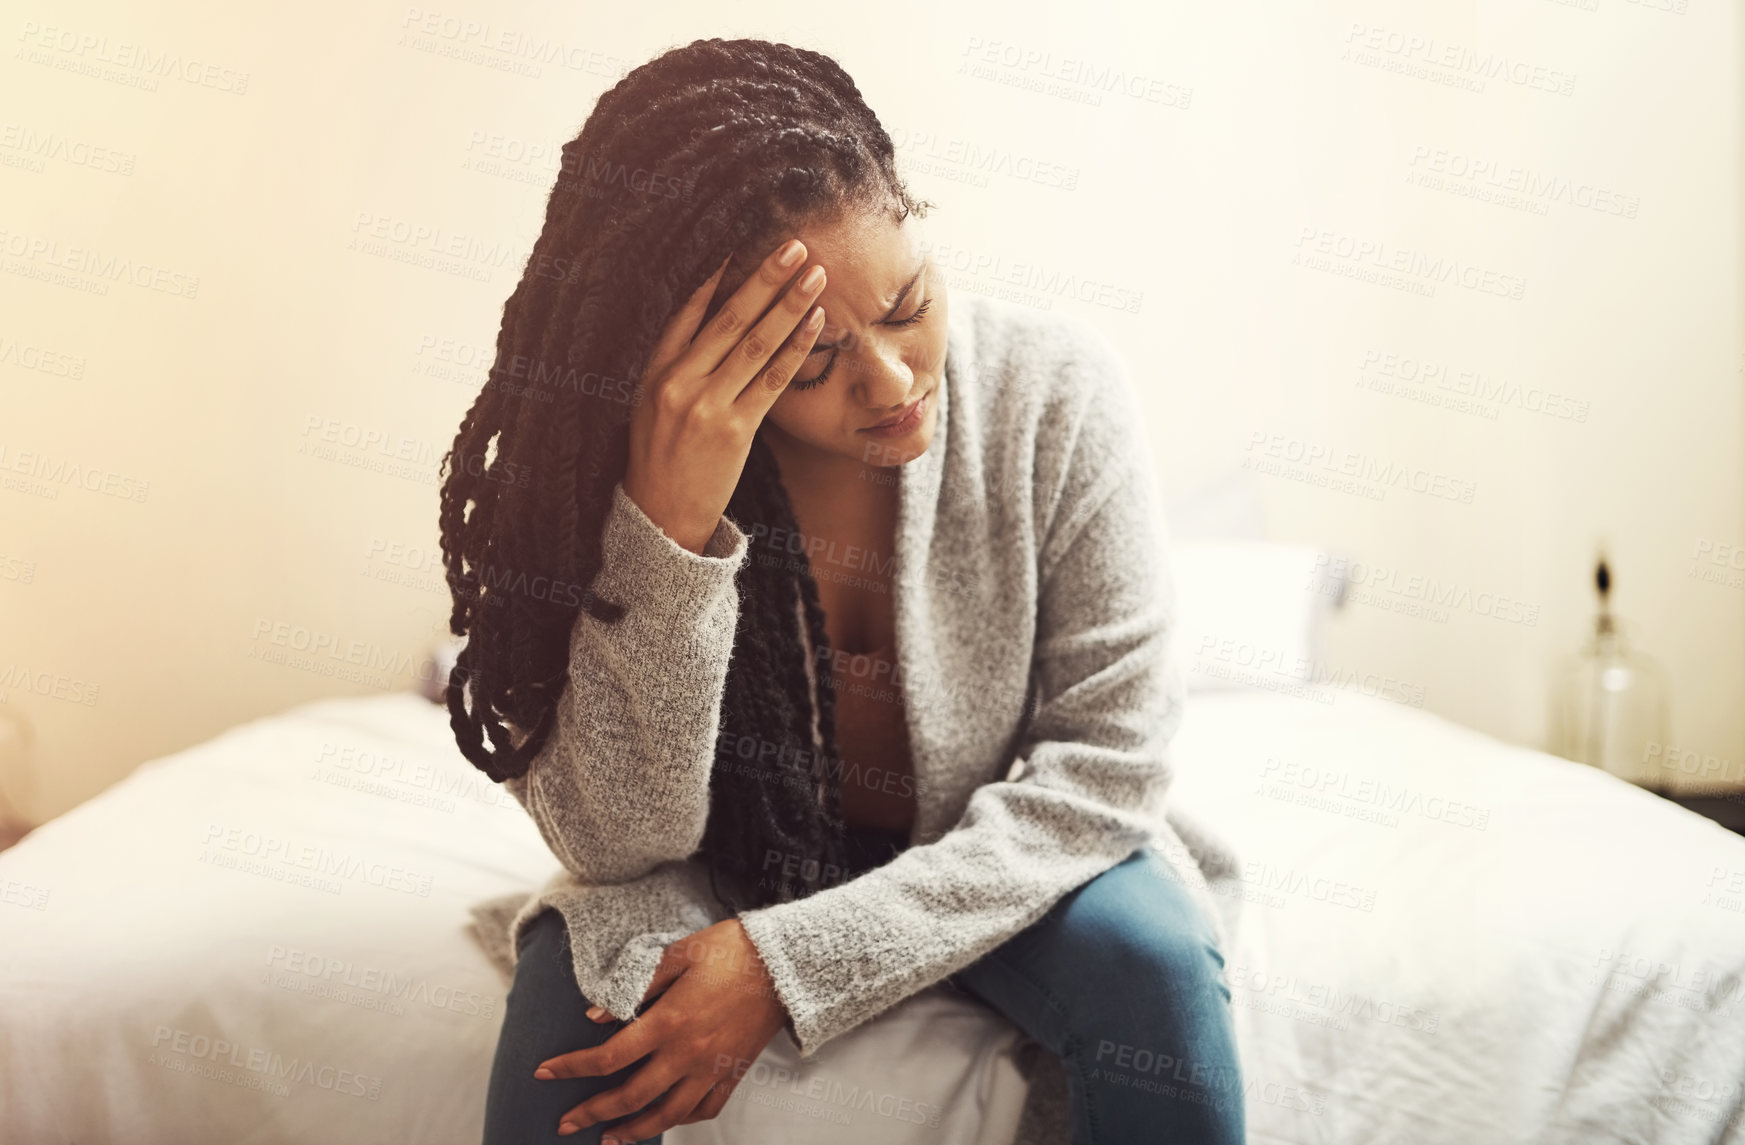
<point x="1444" y="939"/>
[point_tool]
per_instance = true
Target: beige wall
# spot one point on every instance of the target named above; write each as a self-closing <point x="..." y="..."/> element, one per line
<point x="211" y="268"/>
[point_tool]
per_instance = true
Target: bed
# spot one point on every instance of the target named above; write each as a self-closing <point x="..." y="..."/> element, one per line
<point x="1444" y="939"/>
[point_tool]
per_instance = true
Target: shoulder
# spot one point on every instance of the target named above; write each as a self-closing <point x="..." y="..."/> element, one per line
<point x="1037" y="359"/>
<point x="1054" y="382"/>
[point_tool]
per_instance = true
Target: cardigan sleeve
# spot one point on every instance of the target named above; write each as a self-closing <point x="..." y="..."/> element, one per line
<point x="621" y="785"/>
<point x="1093" y="762"/>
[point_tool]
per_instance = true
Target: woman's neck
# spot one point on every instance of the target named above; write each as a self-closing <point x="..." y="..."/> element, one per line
<point x="829" y="488"/>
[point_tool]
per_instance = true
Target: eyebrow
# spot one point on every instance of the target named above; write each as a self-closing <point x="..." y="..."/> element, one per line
<point x="895" y="306"/>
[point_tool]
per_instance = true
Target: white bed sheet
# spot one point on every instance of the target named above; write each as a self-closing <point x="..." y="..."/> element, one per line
<point x="264" y="939"/>
<point x="1450" y="939"/>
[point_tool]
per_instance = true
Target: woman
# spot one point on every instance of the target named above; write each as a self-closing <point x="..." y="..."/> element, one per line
<point x="847" y="676"/>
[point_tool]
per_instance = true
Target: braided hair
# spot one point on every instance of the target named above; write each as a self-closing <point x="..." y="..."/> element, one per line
<point x="719" y="148"/>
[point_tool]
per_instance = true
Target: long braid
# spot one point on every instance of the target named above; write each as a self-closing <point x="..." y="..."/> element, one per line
<point x="719" y="148"/>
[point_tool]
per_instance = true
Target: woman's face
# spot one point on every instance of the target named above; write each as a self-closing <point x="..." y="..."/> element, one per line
<point x="882" y="349"/>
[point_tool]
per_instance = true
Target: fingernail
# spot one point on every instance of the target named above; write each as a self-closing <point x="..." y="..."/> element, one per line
<point x="568" y="1128"/>
<point x="543" y="1074"/>
<point x="815" y="319"/>
<point x="596" y="1013"/>
<point x="790" y="253"/>
<point x="812" y="279"/>
<point x="610" y="1141"/>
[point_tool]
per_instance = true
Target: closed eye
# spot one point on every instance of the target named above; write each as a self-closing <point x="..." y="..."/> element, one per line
<point x="808" y="383"/>
<point x="913" y="318"/>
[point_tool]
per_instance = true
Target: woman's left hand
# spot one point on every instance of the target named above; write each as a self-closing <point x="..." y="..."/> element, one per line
<point x="718" y="1011"/>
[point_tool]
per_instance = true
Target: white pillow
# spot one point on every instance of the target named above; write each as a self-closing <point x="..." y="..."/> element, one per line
<point x="1249" y="612"/>
<point x="441" y="656"/>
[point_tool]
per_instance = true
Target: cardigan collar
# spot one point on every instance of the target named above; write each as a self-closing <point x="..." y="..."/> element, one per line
<point x="919" y="485"/>
<point x="919" y="482"/>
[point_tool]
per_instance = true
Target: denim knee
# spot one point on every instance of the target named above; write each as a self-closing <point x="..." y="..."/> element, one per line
<point x="1148" y="951"/>
<point x="1135" y="926"/>
<point x="1154" y="999"/>
<point x="1122" y="979"/>
<point x="545" y="929"/>
<point x="545" y="1015"/>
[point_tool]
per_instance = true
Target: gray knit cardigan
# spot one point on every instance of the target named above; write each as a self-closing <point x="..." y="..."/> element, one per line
<point x="1034" y="648"/>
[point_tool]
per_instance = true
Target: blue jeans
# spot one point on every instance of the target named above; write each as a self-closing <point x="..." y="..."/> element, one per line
<point x="1119" y="980"/>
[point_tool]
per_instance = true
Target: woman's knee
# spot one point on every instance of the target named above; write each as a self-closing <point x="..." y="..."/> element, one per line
<point x="545" y="1011"/>
<point x="544" y="1016"/>
<point x="1134" y="925"/>
<point x="544" y="930"/>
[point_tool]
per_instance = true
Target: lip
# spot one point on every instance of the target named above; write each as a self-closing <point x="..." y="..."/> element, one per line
<point x="906" y="422"/>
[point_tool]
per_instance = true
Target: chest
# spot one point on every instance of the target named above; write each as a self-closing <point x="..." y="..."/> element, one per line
<point x="852" y="553"/>
<point x="960" y="617"/>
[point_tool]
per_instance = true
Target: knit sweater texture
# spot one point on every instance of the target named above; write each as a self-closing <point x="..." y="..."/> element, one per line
<point x="1033" y="608"/>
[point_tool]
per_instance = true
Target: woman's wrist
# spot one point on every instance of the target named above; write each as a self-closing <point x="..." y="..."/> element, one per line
<point x="685" y="529"/>
<point x="761" y="982"/>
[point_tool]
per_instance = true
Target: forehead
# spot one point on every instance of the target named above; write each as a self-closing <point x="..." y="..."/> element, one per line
<point x="868" y="256"/>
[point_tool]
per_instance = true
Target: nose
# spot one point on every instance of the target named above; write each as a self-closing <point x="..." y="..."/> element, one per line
<point x="883" y="382"/>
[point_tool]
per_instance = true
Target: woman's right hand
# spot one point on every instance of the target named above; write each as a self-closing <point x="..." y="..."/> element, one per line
<point x="705" y="392"/>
